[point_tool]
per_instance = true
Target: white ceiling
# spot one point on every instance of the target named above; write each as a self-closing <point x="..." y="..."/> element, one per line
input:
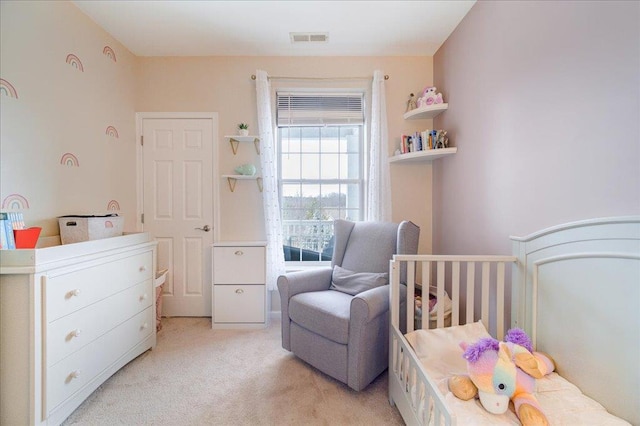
<point x="261" y="28"/>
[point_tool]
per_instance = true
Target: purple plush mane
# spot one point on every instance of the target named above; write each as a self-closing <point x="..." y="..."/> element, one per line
<point x="519" y="337"/>
<point x="515" y="335"/>
<point x="475" y="351"/>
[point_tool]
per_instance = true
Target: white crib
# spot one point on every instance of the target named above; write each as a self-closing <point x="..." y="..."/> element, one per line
<point x="566" y="286"/>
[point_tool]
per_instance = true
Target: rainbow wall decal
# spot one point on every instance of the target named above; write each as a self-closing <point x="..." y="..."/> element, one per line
<point x="112" y="131"/>
<point x="15" y="202"/>
<point x="75" y="62"/>
<point x="68" y="159"/>
<point x="7" y="89"/>
<point x="113" y="205"/>
<point x="109" y="53"/>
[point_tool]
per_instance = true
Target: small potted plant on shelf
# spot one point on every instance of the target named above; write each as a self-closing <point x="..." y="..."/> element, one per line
<point x="243" y="129"/>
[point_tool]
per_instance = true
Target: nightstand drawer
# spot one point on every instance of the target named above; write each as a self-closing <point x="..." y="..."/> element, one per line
<point x="238" y="265"/>
<point x="239" y="303"/>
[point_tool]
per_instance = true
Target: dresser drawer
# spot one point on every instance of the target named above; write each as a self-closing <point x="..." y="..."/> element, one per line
<point x="72" y="332"/>
<point x="72" y="373"/>
<point x="239" y="303"/>
<point x="70" y="292"/>
<point x="238" y="265"/>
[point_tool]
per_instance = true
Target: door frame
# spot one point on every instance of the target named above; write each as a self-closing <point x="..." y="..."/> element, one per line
<point x="213" y="116"/>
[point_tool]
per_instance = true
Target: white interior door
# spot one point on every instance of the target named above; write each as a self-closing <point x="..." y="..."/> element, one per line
<point x="178" y="158"/>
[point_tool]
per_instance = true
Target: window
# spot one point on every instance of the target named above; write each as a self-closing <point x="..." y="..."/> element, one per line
<point x="321" y="169"/>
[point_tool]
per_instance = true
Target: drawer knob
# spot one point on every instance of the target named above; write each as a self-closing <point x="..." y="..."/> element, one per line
<point x="75" y="292"/>
<point x="143" y="268"/>
<point x="143" y="297"/>
<point x="144" y="326"/>
<point x="74" y="374"/>
<point x="239" y="253"/>
<point x="75" y="333"/>
<point x="239" y="291"/>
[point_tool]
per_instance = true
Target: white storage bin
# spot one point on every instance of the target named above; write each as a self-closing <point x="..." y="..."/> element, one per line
<point x="75" y="229"/>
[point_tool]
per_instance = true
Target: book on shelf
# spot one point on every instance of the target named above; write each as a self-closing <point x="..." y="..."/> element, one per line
<point x="3" y="235"/>
<point x="418" y="141"/>
<point x="16" y="219"/>
<point x="7" y="240"/>
<point x="423" y="141"/>
<point x="11" y="242"/>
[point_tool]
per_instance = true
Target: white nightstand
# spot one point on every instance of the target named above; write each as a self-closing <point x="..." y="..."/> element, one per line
<point x="240" y="296"/>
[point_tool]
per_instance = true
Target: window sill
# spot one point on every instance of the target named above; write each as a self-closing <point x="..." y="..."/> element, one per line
<point x="305" y="266"/>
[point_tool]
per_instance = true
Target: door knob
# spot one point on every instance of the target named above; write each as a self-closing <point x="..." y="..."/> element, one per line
<point x="205" y="228"/>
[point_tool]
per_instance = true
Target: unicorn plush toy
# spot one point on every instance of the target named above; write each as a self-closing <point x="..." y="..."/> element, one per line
<point x="500" y="372"/>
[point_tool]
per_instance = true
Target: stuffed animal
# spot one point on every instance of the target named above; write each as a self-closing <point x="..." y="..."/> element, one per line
<point x="429" y="97"/>
<point x="500" y="372"/>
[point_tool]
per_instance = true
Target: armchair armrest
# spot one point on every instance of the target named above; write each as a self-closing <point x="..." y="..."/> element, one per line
<point x="299" y="282"/>
<point x="304" y="281"/>
<point x="369" y="335"/>
<point x="371" y="303"/>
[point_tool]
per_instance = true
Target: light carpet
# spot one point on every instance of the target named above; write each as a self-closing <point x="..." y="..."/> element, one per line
<point x="200" y="376"/>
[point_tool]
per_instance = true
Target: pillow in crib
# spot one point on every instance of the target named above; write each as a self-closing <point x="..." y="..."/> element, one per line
<point x="353" y="283"/>
<point x="443" y="344"/>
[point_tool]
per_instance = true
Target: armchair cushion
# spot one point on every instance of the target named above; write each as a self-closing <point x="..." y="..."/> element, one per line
<point x="364" y="246"/>
<point x="323" y="312"/>
<point x="353" y="283"/>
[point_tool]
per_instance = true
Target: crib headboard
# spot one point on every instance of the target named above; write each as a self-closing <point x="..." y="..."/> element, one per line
<point x="576" y="291"/>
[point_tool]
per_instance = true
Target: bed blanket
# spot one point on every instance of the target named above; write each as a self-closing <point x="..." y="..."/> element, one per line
<point x="562" y="402"/>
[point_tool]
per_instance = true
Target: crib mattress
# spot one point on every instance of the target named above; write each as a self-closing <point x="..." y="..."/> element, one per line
<point x="562" y="402"/>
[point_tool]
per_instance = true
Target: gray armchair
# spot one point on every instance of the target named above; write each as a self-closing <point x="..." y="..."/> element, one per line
<point x="337" y="318"/>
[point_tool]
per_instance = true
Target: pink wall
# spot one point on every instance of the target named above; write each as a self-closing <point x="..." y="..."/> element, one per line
<point x="544" y="106"/>
<point x="68" y="136"/>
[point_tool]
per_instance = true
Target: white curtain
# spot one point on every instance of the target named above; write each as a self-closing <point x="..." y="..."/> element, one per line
<point x="270" y="199"/>
<point x="379" y="189"/>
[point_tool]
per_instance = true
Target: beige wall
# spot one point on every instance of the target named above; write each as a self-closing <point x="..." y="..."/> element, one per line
<point x="544" y="102"/>
<point x="224" y="85"/>
<point x="60" y="110"/>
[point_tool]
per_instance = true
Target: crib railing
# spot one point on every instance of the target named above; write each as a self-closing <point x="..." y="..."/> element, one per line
<point x="415" y="394"/>
<point x="483" y="277"/>
<point x="421" y="403"/>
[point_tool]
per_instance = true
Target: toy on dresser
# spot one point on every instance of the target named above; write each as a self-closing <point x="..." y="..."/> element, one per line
<point x="429" y="97"/>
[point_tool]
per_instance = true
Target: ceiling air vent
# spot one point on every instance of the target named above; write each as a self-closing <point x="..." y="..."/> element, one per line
<point x="309" y="37"/>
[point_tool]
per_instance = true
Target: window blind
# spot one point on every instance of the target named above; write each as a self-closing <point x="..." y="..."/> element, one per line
<point x="314" y="109"/>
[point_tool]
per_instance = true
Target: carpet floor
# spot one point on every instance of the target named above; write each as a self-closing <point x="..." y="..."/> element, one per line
<point x="200" y="376"/>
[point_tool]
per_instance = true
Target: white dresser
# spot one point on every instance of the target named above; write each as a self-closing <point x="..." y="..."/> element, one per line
<point x="240" y="296"/>
<point x="70" y="317"/>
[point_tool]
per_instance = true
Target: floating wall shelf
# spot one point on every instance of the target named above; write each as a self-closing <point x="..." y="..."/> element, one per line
<point x="232" y="180"/>
<point x="423" y="156"/>
<point x="430" y="111"/>
<point x="235" y="140"/>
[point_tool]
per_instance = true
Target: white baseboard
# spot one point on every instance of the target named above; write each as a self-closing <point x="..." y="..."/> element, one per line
<point x="275" y="314"/>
